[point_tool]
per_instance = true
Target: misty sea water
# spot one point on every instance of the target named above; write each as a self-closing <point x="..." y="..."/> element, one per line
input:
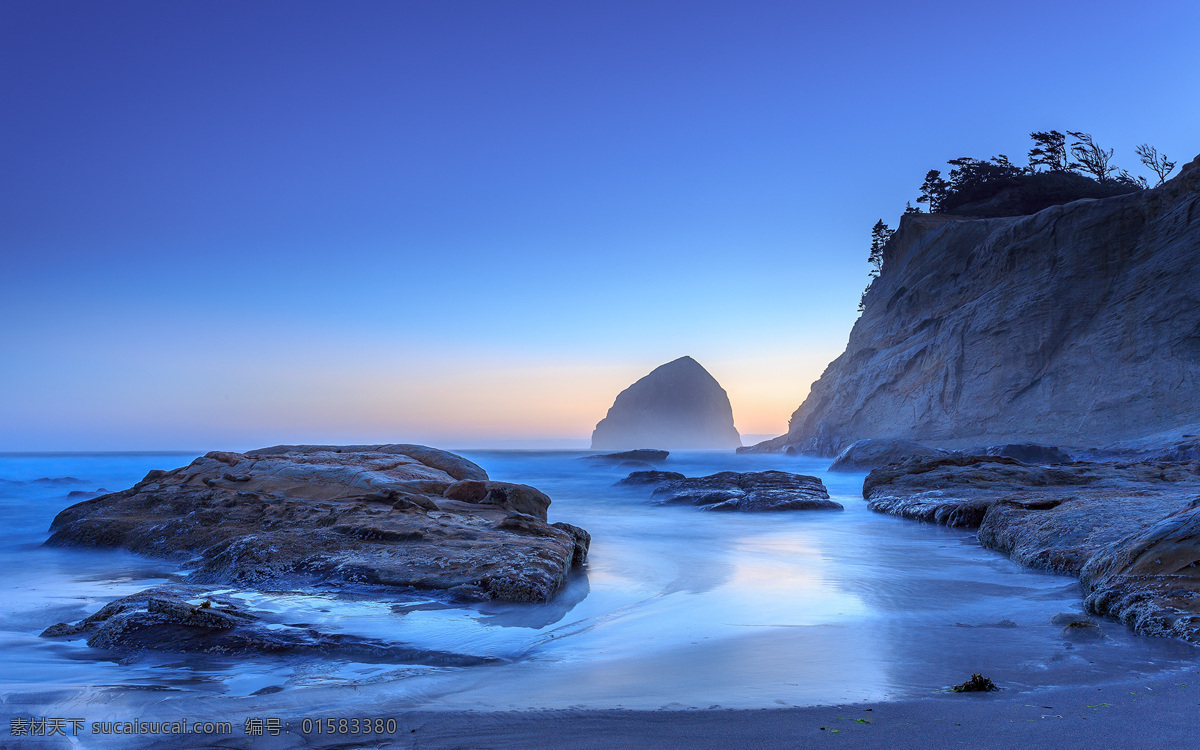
<point x="677" y="608"/>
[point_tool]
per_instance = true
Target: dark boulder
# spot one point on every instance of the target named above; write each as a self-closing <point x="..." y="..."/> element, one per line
<point x="189" y="620"/>
<point x="651" y="477"/>
<point x="519" y="498"/>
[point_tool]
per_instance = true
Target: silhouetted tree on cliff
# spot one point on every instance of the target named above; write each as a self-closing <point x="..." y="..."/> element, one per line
<point x="996" y="187"/>
<point x="1049" y="151"/>
<point x="1090" y="158"/>
<point x="1157" y="162"/>
<point x="880" y="234"/>
<point x="970" y="174"/>
<point x="933" y="191"/>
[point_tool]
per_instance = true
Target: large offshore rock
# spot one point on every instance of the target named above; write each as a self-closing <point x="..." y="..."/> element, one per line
<point x="1076" y="326"/>
<point x="1130" y="530"/>
<point x="678" y="405"/>
<point x="751" y="491"/>
<point x="397" y="516"/>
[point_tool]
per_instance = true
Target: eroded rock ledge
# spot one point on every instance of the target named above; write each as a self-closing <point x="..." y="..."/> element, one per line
<point x="397" y="516"/>
<point x="1130" y="531"/>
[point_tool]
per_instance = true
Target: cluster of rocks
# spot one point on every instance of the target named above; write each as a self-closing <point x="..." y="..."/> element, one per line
<point x="752" y="491"/>
<point x="1129" y="530"/>
<point x="396" y="517"/>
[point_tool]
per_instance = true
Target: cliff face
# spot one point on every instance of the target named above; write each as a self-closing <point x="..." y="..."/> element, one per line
<point x="678" y="405"/>
<point x="1077" y="326"/>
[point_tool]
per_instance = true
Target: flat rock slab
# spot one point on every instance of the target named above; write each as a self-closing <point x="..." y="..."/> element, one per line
<point x="1130" y="531"/>
<point x="398" y="516"/>
<point x="743" y="491"/>
<point x="645" y="455"/>
<point x="188" y="619"/>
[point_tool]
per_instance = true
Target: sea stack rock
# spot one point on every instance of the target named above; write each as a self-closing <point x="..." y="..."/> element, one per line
<point x="678" y="405"/>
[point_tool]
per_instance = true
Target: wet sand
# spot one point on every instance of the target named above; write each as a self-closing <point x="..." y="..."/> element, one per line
<point x="1137" y="713"/>
<point x="1154" y="713"/>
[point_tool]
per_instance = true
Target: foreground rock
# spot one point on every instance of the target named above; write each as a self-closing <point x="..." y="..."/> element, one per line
<point x="748" y="491"/>
<point x="1130" y="531"/>
<point x="678" y="405"/>
<point x="184" y="619"/>
<point x="864" y="455"/>
<point x="1074" y="326"/>
<point x="398" y="516"/>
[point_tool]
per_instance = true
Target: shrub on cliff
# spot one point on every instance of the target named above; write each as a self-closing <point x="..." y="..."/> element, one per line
<point x="997" y="187"/>
<point x="1056" y="174"/>
<point x="1022" y="194"/>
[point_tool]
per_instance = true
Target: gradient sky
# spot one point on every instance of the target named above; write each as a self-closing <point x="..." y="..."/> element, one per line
<point x="230" y="224"/>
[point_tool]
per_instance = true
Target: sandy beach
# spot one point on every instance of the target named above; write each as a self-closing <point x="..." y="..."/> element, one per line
<point x="1142" y="713"/>
<point x="1136" y="713"/>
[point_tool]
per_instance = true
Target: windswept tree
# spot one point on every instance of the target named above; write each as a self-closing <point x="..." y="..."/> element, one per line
<point x="909" y="208"/>
<point x="1004" y="167"/>
<point x="1158" y="163"/>
<point x="1049" y="151"/>
<point x="933" y="191"/>
<point x="1125" y="178"/>
<point x="967" y="173"/>
<point x="880" y="234"/>
<point x="1090" y="158"/>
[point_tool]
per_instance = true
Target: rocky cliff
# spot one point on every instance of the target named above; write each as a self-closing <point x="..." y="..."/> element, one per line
<point x="678" y="405"/>
<point x="1078" y="326"/>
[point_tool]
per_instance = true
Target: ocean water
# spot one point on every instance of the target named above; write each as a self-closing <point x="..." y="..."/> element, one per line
<point x="677" y="608"/>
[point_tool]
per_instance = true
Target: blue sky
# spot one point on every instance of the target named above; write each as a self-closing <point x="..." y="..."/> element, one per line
<point x="228" y="224"/>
